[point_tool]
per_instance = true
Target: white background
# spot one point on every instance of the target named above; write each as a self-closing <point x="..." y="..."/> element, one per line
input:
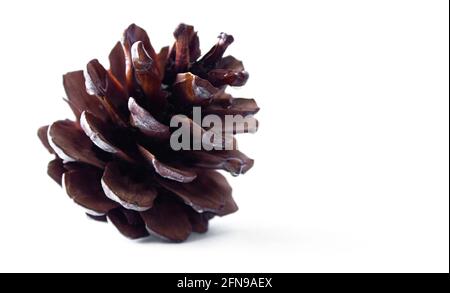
<point x="352" y="156"/>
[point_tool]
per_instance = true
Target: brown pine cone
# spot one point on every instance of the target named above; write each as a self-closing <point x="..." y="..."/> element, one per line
<point x="116" y="160"/>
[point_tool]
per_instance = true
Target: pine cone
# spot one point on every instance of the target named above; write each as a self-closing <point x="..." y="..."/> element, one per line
<point x="116" y="161"/>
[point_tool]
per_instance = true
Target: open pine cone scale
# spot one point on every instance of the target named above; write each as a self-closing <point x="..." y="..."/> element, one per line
<point x="115" y="159"/>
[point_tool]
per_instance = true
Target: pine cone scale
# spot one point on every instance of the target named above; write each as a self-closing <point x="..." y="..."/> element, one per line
<point x="206" y="194"/>
<point x="131" y="191"/>
<point x="55" y="169"/>
<point x="71" y="144"/>
<point x="128" y="222"/>
<point x="146" y="123"/>
<point x="165" y="170"/>
<point x="78" y="98"/>
<point x="168" y="220"/>
<point x="83" y="188"/>
<point x="117" y="64"/>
